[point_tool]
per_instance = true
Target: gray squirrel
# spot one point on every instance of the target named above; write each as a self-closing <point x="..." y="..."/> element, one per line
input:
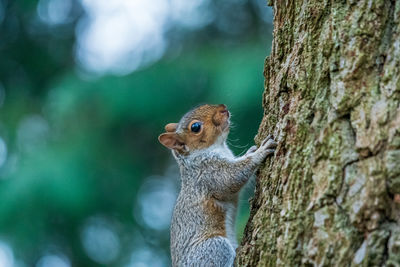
<point x="203" y="221"/>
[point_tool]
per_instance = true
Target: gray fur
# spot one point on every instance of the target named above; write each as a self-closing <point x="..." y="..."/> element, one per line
<point x="216" y="251"/>
<point x="210" y="173"/>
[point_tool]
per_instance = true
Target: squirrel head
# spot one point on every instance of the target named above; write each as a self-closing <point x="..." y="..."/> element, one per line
<point x="198" y="129"/>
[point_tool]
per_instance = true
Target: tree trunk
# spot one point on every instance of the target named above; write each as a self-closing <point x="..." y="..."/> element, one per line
<point x="331" y="194"/>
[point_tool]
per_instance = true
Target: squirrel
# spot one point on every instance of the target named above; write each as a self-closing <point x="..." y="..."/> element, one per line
<point x="202" y="226"/>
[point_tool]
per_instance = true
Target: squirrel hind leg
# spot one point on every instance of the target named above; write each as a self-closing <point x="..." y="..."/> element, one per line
<point x="215" y="251"/>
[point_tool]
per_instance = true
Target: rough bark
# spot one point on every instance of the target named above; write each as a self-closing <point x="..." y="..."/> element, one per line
<point x="331" y="195"/>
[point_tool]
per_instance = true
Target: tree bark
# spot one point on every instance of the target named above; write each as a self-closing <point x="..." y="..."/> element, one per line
<point x="331" y="194"/>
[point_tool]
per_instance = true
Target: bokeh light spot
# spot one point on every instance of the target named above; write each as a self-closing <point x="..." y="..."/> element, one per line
<point x="156" y="201"/>
<point x="54" y="11"/>
<point x="6" y="255"/>
<point x="192" y="14"/>
<point x="100" y="241"/>
<point x="53" y="260"/>
<point x="131" y="34"/>
<point x="146" y="256"/>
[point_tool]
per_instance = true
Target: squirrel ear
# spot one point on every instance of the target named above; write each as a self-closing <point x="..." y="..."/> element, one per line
<point x="171" y="127"/>
<point x="171" y="141"/>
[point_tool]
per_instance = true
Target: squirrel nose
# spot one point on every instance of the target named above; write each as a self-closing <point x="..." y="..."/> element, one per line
<point x="223" y="109"/>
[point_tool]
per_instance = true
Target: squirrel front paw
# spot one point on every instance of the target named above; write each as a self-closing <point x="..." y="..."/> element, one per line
<point x="266" y="148"/>
<point x="268" y="143"/>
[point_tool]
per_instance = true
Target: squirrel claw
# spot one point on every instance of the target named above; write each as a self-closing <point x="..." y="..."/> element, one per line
<point x="269" y="143"/>
<point x="251" y="150"/>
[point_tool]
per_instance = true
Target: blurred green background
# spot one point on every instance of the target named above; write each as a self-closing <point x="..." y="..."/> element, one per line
<point x="86" y="87"/>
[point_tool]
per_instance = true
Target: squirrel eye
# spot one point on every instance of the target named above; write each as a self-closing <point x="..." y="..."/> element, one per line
<point x="196" y="127"/>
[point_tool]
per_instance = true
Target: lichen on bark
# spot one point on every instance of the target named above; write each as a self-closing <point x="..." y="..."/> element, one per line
<point x="331" y="194"/>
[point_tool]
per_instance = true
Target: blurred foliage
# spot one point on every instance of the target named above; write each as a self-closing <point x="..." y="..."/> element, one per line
<point x="80" y="146"/>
